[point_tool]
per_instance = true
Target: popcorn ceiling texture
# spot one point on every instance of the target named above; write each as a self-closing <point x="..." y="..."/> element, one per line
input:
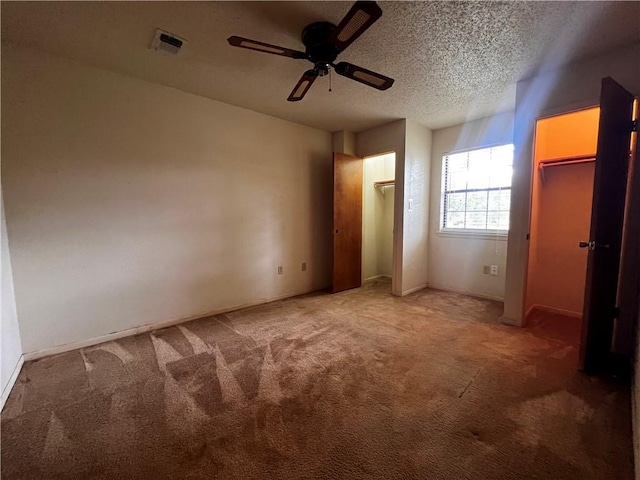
<point x="357" y="385"/>
<point x="452" y="61"/>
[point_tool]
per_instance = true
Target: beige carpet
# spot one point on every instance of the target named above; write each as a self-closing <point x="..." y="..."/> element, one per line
<point x="359" y="385"/>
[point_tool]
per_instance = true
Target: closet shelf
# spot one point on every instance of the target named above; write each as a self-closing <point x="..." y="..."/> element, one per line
<point x="563" y="161"/>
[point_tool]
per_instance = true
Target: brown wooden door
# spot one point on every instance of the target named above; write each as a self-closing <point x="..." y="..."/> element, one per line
<point x="347" y="222"/>
<point x="607" y="214"/>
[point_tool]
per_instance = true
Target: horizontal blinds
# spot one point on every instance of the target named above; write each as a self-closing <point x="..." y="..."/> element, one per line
<point x="477" y="189"/>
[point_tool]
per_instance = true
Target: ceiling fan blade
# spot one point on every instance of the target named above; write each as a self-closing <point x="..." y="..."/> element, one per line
<point x="362" y="15"/>
<point x="363" y="75"/>
<point x="264" y="47"/>
<point x="303" y="85"/>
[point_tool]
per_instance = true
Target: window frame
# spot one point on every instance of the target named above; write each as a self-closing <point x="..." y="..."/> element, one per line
<point x="492" y="234"/>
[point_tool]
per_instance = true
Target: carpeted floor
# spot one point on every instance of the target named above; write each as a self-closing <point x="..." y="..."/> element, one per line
<point x="358" y="385"/>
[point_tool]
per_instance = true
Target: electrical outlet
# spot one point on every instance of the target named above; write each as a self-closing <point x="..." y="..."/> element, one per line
<point x="280" y="270"/>
<point x="304" y="266"/>
<point x="486" y="269"/>
<point x="494" y="270"/>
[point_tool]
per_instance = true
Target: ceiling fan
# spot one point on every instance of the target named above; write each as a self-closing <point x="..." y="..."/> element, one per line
<point x="324" y="42"/>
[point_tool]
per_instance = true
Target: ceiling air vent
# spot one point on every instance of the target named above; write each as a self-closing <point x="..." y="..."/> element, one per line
<point x="167" y="43"/>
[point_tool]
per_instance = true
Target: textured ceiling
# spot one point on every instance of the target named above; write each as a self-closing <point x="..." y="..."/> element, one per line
<point x="451" y="61"/>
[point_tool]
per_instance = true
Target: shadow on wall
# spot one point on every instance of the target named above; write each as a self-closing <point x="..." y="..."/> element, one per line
<point x="320" y="226"/>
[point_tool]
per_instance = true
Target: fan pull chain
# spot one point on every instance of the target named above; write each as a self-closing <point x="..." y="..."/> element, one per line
<point x="330" y="77"/>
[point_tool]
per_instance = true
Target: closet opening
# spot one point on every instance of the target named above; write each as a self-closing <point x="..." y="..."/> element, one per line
<point x="378" y="218"/>
<point x="563" y="180"/>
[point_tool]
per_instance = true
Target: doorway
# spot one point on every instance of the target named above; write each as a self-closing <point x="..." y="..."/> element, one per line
<point x="563" y="177"/>
<point x="603" y="320"/>
<point x="378" y="192"/>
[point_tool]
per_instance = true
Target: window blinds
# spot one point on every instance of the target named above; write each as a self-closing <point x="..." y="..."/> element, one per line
<point x="476" y="189"/>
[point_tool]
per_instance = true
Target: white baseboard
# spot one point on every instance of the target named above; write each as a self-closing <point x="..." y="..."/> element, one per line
<point x="412" y="290"/>
<point x="375" y="277"/>
<point x="559" y="311"/>
<point x="511" y="321"/>
<point x="466" y="292"/>
<point x="528" y="312"/>
<point x="12" y="381"/>
<point x="67" y="347"/>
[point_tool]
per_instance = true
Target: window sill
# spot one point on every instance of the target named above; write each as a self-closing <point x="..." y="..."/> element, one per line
<point x="500" y="235"/>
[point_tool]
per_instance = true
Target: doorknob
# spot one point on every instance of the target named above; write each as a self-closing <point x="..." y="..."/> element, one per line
<point x="591" y="245"/>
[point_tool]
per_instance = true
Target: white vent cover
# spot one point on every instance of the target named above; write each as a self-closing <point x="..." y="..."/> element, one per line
<point x="167" y="43"/>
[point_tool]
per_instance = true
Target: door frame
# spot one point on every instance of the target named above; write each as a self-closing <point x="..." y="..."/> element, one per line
<point x="397" y="239"/>
<point x="518" y="261"/>
<point x="532" y="167"/>
<point x="625" y="326"/>
<point x="528" y="146"/>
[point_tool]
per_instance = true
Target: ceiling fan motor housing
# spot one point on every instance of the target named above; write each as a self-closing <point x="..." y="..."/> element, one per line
<point x="319" y="49"/>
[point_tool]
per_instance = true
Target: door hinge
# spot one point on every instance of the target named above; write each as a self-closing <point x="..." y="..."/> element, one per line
<point x="634" y="125"/>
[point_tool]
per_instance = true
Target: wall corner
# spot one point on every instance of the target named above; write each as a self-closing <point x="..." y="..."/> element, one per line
<point x="344" y="142"/>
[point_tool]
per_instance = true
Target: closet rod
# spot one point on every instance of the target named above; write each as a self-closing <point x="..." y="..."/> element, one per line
<point x="384" y="183"/>
<point x="567" y="161"/>
<point x="557" y="162"/>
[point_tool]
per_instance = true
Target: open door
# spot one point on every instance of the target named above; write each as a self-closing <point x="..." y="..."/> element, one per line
<point x="607" y="215"/>
<point x="347" y="222"/>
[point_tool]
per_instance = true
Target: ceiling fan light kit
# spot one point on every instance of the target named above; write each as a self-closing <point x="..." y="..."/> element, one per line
<point x="323" y="43"/>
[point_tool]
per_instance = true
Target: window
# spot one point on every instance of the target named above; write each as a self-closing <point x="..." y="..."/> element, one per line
<point x="476" y="190"/>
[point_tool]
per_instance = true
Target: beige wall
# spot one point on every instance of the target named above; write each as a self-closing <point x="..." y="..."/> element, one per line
<point x="344" y="142"/>
<point x="557" y="267"/>
<point x="417" y="175"/>
<point x="411" y="143"/>
<point x="9" y="329"/>
<point x="377" y="224"/>
<point x="456" y="260"/>
<point x="130" y="203"/>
